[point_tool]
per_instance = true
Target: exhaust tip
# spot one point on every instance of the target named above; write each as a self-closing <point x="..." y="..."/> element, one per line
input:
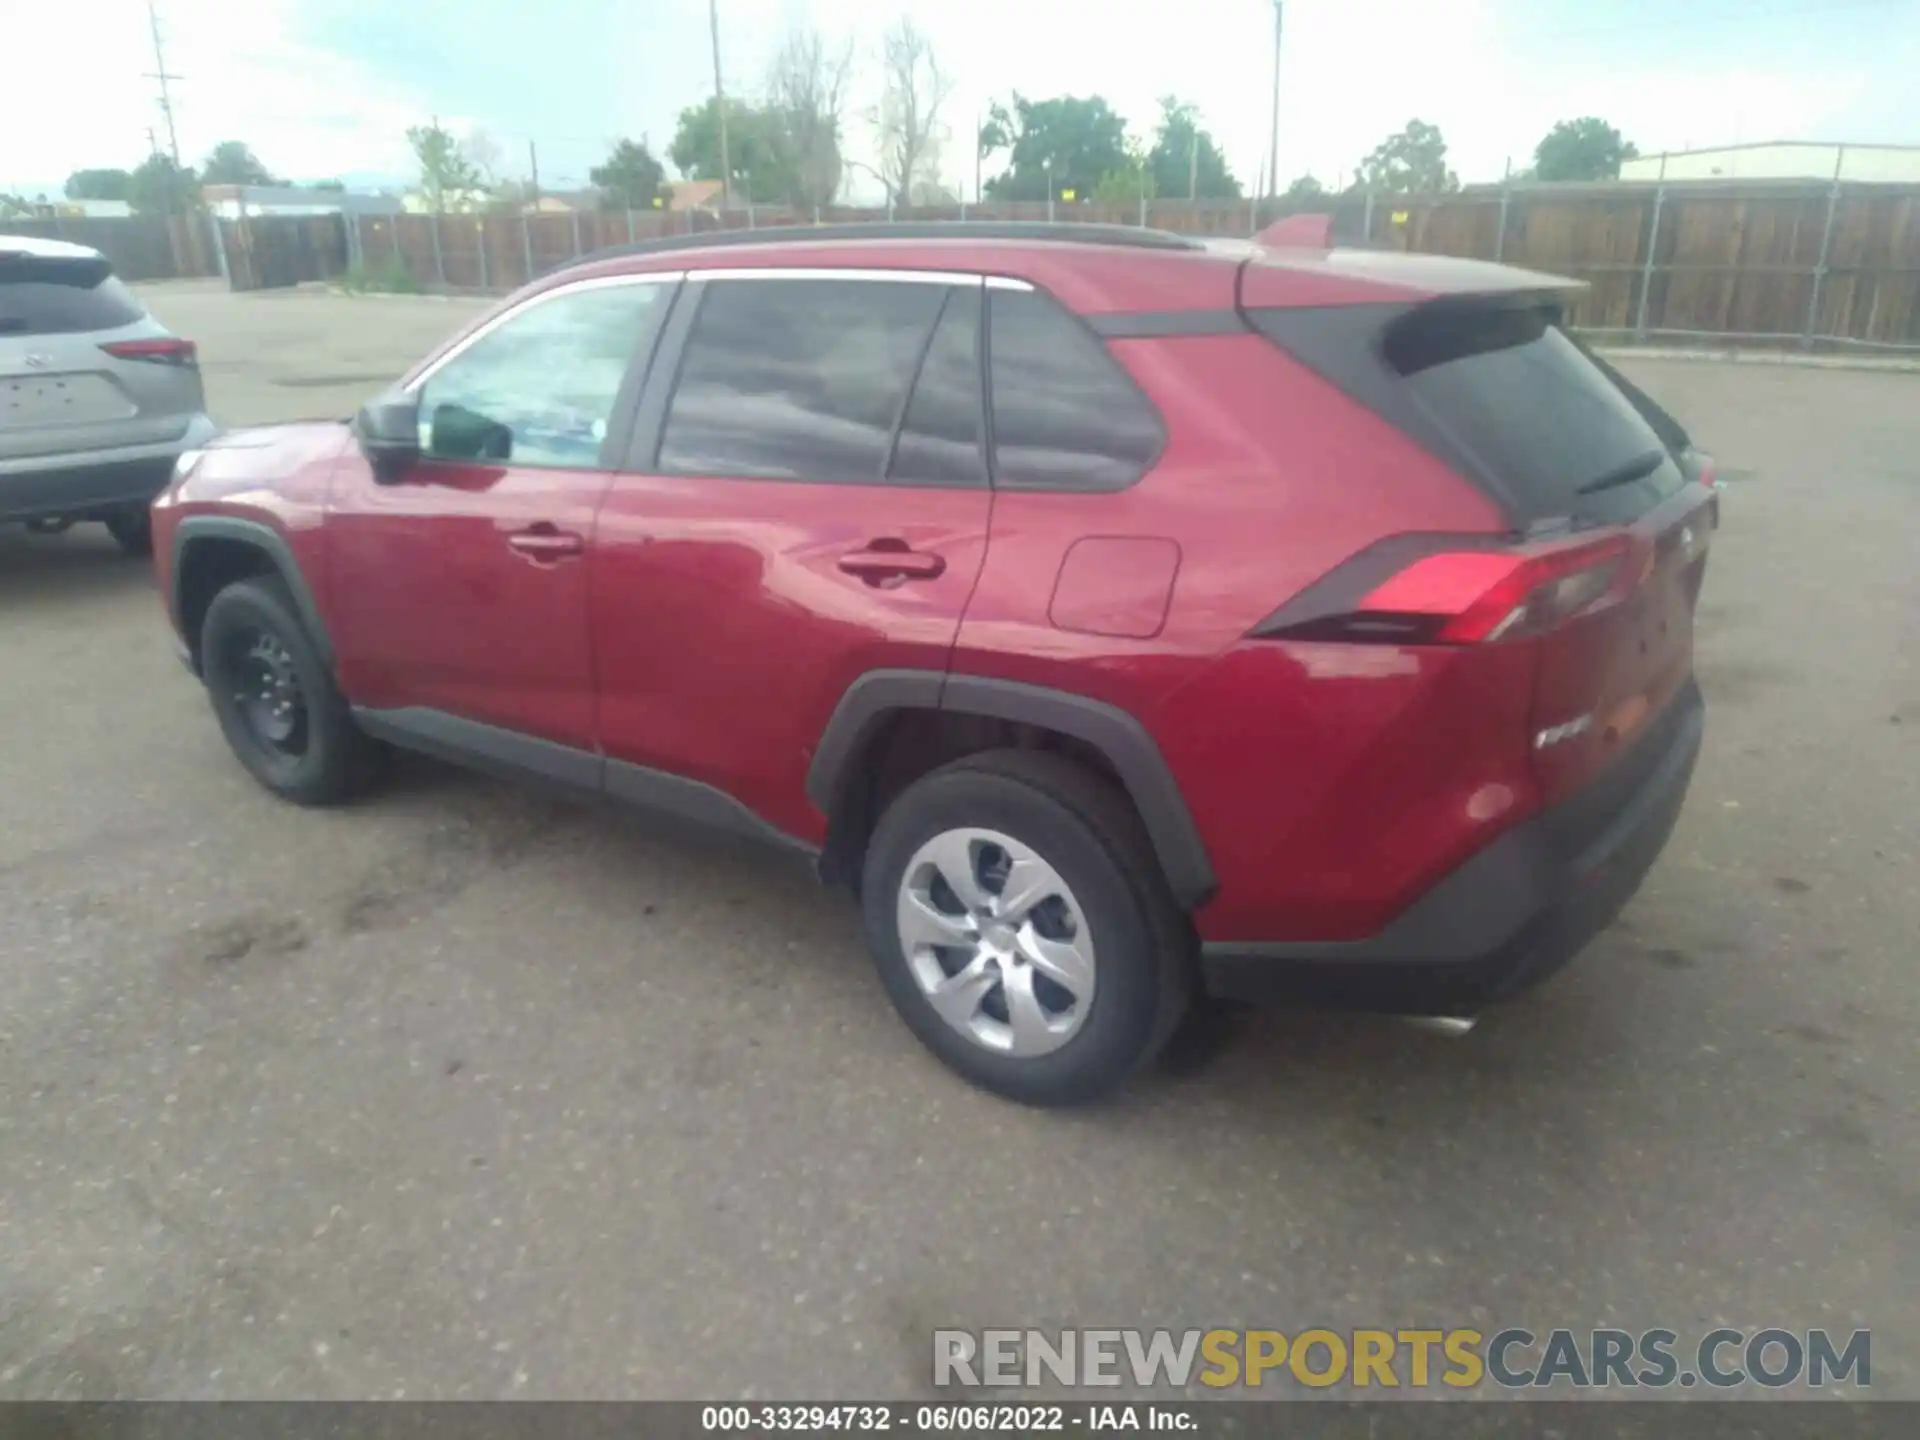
<point x="1450" y="1025"/>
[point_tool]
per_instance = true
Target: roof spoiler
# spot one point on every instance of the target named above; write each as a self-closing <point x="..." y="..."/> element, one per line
<point x="1298" y="232"/>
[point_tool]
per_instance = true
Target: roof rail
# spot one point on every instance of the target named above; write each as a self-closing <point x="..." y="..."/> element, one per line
<point x="1127" y="236"/>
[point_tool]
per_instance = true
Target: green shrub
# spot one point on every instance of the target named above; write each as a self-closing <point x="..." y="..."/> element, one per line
<point x="385" y="277"/>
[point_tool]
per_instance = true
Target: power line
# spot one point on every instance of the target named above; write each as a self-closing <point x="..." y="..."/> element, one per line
<point x="161" y="74"/>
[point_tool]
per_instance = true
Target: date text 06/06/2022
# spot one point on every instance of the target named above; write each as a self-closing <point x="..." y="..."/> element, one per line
<point x="945" y="1418"/>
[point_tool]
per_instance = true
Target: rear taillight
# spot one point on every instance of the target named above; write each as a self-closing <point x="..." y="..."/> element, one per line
<point x="165" y="350"/>
<point x="1472" y="597"/>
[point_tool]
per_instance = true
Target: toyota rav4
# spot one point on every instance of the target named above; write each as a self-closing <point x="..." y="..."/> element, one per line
<point x="1122" y="619"/>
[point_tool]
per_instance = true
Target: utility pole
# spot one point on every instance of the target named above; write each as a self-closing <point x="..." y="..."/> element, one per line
<point x="1193" y="164"/>
<point x="1273" y="153"/>
<point x="720" y="109"/>
<point x="533" y="167"/>
<point x="979" y="158"/>
<point x="161" y="74"/>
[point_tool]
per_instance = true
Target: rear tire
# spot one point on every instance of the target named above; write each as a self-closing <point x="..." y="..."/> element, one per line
<point x="133" y="528"/>
<point x="275" y="698"/>
<point x="1051" y="1002"/>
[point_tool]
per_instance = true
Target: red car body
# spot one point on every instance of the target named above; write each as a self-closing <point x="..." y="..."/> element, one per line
<point x="1284" y="639"/>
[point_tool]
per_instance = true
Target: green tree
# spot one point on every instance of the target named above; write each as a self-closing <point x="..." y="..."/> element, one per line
<point x="1413" y="162"/>
<point x="232" y="163"/>
<point x="160" y="187"/>
<point x="1305" y="190"/>
<point x="1185" y="159"/>
<point x="1126" y="186"/>
<point x="1084" y="140"/>
<point x="447" y="176"/>
<point x="1584" y="149"/>
<point x="15" y="207"/>
<point x="99" y="184"/>
<point x="630" y="178"/>
<point x="762" y="170"/>
<point x="330" y="187"/>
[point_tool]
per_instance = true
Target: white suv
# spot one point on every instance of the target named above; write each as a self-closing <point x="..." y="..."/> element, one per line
<point x="97" y="398"/>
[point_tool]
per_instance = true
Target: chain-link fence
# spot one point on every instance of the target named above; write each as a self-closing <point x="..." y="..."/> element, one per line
<point x="1804" y="263"/>
<point x="1814" y="264"/>
<point x="1811" y="264"/>
<point x="499" y="252"/>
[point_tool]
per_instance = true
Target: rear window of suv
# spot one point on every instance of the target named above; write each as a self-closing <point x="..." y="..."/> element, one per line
<point x="42" y="296"/>
<point x="1502" y="393"/>
<point x="1513" y="390"/>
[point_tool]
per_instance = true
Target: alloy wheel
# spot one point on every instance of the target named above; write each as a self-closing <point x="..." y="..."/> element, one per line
<point x="996" y="942"/>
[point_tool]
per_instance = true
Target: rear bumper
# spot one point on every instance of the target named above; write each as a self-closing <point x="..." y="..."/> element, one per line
<point x="84" y="482"/>
<point x="1508" y="917"/>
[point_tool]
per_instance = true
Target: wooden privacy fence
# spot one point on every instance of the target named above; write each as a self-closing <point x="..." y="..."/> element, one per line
<point x="1807" y="263"/>
<point x="1761" y="263"/>
<point x="268" y="252"/>
<point x="140" y="247"/>
<point x="1802" y="262"/>
<point x="500" y="252"/>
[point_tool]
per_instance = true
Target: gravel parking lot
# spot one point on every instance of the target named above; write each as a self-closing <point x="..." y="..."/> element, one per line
<point x="463" y="1092"/>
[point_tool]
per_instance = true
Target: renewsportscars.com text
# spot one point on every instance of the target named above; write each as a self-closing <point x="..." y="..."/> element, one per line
<point x="1511" y="1359"/>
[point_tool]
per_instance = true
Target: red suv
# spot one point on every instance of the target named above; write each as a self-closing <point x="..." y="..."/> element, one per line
<point x="1120" y="617"/>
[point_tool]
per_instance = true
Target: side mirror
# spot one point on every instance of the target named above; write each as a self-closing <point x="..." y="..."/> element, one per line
<point x="389" y="435"/>
<point x="457" y="433"/>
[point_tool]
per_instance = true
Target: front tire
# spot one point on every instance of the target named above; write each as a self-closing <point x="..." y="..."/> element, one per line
<point x="275" y="699"/>
<point x="132" y="527"/>
<point x="1021" y="926"/>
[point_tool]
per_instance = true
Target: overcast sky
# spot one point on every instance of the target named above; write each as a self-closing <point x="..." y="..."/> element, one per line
<point x="324" y="88"/>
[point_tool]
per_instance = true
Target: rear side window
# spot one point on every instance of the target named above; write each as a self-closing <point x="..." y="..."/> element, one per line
<point x="939" y="441"/>
<point x="1065" y="416"/>
<point x="1511" y="389"/>
<point x="62" y="297"/>
<point x="797" y="379"/>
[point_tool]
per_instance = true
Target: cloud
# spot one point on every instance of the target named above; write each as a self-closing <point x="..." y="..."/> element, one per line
<point x="329" y="87"/>
<point x="307" y="113"/>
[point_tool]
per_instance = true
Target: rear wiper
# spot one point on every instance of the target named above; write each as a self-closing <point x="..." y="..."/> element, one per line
<point x="1637" y="468"/>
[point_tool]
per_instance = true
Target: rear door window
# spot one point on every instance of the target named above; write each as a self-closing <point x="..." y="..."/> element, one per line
<point x="42" y="296"/>
<point x="1512" y="391"/>
<point x="797" y="379"/>
<point x="1065" y="415"/>
<point x="939" y="442"/>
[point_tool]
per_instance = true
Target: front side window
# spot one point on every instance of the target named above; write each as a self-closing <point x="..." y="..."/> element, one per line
<point x="1065" y="416"/>
<point x="797" y="379"/>
<point x="540" y="388"/>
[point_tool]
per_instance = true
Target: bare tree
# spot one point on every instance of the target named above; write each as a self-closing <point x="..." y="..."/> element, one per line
<point x="909" y="115"/>
<point x="806" y="93"/>
<point x="483" y="154"/>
